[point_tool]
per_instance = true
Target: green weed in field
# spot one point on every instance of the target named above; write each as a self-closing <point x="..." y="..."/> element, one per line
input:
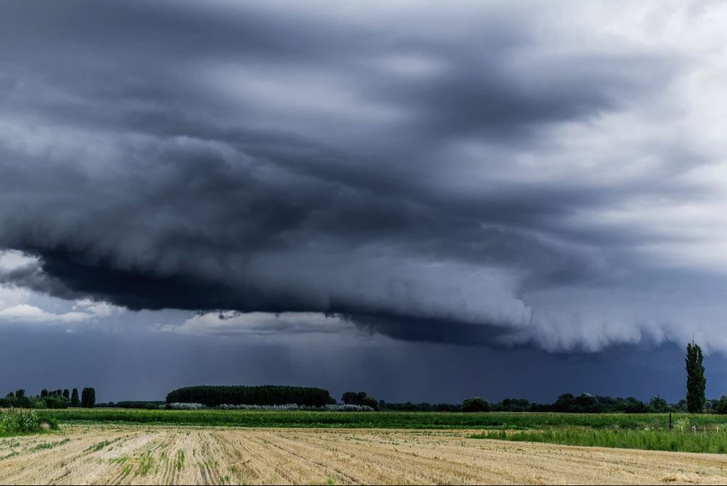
<point x="714" y="441"/>
<point x="50" y="445"/>
<point x="99" y="446"/>
<point x="180" y="460"/>
<point x="146" y="463"/>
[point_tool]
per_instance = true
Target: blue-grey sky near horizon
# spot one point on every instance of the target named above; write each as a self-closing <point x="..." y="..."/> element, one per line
<point x="425" y="200"/>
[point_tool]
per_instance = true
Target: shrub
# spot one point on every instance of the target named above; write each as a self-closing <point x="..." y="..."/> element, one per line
<point x="349" y="408"/>
<point x="185" y="406"/>
<point x="476" y="404"/>
<point x="295" y="407"/>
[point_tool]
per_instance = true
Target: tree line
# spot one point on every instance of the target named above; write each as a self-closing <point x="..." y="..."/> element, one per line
<point x="213" y="396"/>
<point x="695" y="401"/>
<point x="50" y="399"/>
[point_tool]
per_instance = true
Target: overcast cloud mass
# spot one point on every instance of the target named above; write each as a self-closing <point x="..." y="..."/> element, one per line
<point x="502" y="176"/>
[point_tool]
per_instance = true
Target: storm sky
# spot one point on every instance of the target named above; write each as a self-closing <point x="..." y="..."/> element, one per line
<point x="428" y="200"/>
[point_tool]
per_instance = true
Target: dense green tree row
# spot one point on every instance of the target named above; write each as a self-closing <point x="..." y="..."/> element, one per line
<point x="251" y="395"/>
<point x="46" y="399"/>
<point x="567" y="403"/>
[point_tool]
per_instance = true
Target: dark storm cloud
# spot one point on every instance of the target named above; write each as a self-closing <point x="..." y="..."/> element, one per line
<point x="258" y="158"/>
<point x="431" y="330"/>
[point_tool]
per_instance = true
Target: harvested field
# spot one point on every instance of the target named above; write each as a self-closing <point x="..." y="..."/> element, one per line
<point x="175" y="455"/>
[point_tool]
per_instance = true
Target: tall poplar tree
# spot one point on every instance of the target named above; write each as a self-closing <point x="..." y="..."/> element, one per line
<point x="696" y="382"/>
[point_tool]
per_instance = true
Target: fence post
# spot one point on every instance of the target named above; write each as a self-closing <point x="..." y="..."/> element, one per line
<point x="669" y="420"/>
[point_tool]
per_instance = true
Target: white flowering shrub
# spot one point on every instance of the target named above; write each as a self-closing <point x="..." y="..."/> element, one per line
<point x="185" y="406"/>
<point x="288" y="406"/>
<point x="348" y="408"/>
<point x="293" y="406"/>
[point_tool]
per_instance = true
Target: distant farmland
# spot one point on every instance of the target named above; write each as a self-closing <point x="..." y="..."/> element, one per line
<point x="407" y="420"/>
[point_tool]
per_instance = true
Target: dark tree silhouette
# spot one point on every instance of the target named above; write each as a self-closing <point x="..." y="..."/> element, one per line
<point x="696" y="382"/>
<point x="88" y="397"/>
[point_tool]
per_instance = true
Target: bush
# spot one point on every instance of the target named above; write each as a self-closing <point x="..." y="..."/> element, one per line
<point x="185" y="406"/>
<point x="476" y="404"/>
<point x="349" y="408"/>
<point x="213" y="396"/>
<point x="294" y="407"/>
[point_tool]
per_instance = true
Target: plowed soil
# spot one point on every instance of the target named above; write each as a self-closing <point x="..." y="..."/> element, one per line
<point x="161" y="455"/>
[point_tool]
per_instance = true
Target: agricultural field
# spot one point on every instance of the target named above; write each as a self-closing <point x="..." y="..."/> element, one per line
<point x="402" y="420"/>
<point x="123" y="446"/>
<point x="133" y="454"/>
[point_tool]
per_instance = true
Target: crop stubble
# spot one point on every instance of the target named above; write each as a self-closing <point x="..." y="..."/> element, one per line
<point x="196" y="455"/>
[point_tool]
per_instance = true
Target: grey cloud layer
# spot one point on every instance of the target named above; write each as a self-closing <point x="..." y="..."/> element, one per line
<point x="381" y="164"/>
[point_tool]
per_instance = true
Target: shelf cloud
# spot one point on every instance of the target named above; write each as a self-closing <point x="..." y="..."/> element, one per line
<point x="475" y="173"/>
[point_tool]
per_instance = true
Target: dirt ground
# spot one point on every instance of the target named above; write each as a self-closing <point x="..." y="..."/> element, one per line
<point x="160" y="455"/>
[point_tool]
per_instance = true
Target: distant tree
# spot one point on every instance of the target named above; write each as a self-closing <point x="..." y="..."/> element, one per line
<point x="20" y="393"/>
<point x="721" y="405"/>
<point x="10" y="395"/>
<point x="74" y="398"/>
<point x="66" y="394"/>
<point x="353" y="398"/>
<point x="360" y="398"/>
<point x="54" y="401"/>
<point x="587" y="403"/>
<point x="658" y="405"/>
<point x="88" y="397"/>
<point x="33" y="402"/>
<point x="476" y="404"/>
<point x="514" y="405"/>
<point x="696" y="382"/>
<point x="43" y="393"/>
